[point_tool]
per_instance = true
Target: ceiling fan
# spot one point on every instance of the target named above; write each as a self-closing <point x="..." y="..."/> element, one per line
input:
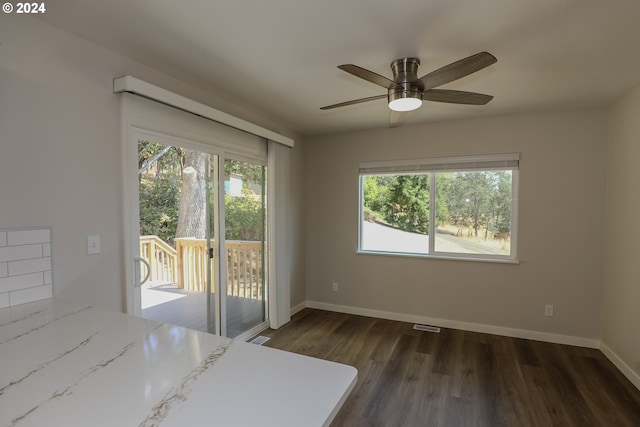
<point x="406" y="91"/>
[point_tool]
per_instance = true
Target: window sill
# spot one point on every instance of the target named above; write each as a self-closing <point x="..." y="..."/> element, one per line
<point x="442" y="257"/>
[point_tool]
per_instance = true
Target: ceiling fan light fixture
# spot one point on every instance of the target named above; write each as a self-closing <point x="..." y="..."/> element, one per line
<point x="406" y="91"/>
<point x="405" y="100"/>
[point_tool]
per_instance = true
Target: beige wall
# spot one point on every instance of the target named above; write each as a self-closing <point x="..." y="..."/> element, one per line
<point x="60" y="162"/>
<point x="562" y="190"/>
<point x="621" y="296"/>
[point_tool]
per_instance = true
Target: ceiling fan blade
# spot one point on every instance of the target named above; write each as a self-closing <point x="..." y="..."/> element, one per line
<point x="396" y="118"/>
<point x="456" y="97"/>
<point x="355" y="101"/>
<point x="369" y="76"/>
<point x="455" y="70"/>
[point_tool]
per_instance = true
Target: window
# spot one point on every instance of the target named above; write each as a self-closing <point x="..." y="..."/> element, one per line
<point x="457" y="207"/>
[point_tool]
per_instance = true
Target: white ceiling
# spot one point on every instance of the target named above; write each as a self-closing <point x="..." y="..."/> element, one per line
<point x="279" y="57"/>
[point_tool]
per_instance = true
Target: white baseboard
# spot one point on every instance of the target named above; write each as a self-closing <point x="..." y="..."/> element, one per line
<point x="621" y="365"/>
<point x="466" y="326"/>
<point x="298" y="308"/>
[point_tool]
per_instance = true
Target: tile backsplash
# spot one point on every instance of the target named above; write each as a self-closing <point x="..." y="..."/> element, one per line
<point x="25" y="265"/>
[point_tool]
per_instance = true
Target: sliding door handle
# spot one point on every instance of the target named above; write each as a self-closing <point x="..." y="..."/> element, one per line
<point x="146" y="277"/>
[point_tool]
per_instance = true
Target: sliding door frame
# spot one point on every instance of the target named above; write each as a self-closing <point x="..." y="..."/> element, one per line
<point x="132" y="211"/>
<point x="136" y="117"/>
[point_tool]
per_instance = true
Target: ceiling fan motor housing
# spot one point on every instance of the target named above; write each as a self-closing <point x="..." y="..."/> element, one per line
<point x="405" y="70"/>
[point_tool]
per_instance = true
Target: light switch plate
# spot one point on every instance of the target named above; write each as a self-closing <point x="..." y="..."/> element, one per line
<point x="548" y="310"/>
<point x="93" y="245"/>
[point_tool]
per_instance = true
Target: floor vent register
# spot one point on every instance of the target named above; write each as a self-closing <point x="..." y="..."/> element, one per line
<point x="259" y="340"/>
<point x="426" y="328"/>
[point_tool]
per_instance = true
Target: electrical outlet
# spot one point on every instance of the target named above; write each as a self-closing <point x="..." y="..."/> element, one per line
<point x="548" y="310"/>
<point x="335" y="286"/>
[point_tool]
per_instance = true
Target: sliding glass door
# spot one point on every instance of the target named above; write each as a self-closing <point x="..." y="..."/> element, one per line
<point x="244" y="245"/>
<point x="202" y="235"/>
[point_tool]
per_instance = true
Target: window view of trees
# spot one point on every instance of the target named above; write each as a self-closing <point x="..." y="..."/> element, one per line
<point x="244" y="216"/>
<point x="401" y="201"/>
<point x="472" y="209"/>
<point x="174" y="189"/>
<point x="479" y="202"/>
<point x="159" y="182"/>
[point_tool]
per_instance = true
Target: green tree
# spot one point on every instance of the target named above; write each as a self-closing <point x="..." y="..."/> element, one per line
<point x="375" y="190"/>
<point x="501" y="202"/>
<point x="406" y="205"/>
<point x="443" y="182"/>
<point x="243" y="217"/>
<point x="251" y="173"/>
<point x="159" y="189"/>
<point x="164" y="159"/>
<point x="468" y="199"/>
<point x="244" y="213"/>
<point x="159" y="207"/>
<point x="403" y="200"/>
<point x="480" y="200"/>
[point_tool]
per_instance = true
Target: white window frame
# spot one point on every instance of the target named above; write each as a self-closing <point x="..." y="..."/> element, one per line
<point x="445" y="164"/>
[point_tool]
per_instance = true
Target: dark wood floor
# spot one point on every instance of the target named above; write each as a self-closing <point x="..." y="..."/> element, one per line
<point x="458" y="378"/>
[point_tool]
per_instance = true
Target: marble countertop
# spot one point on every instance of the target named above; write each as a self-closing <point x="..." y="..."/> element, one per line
<point x="68" y="365"/>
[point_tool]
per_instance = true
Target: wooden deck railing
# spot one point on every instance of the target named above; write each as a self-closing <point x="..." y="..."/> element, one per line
<point x="192" y="268"/>
<point x="186" y="265"/>
<point x="161" y="258"/>
<point x="244" y="269"/>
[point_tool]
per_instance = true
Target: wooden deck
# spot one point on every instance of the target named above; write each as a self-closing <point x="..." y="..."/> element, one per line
<point x="165" y="302"/>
